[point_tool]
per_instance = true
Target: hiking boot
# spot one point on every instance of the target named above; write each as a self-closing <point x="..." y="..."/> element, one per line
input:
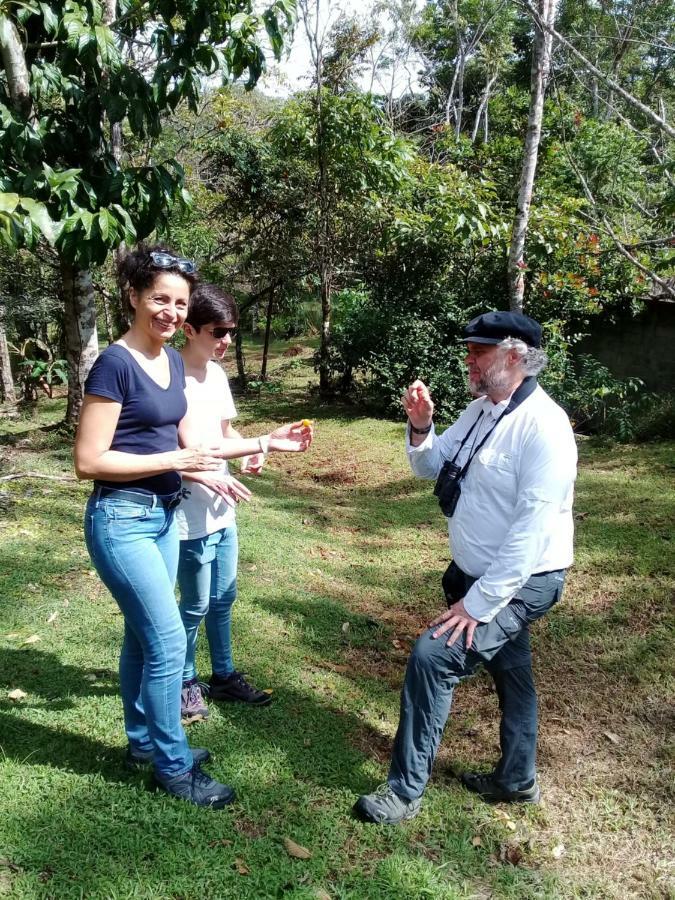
<point x="385" y="807"/>
<point x="140" y="759"/>
<point x="197" y="787"/>
<point x="192" y="706"/>
<point x="235" y="687"/>
<point x="489" y="791"/>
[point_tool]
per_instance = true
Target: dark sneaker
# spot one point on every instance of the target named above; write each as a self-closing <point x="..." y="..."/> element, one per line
<point x="385" y="807"/>
<point x="488" y="790"/>
<point x="235" y="687"/>
<point x="138" y="759"/>
<point x="192" y="706"/>
<point x="197" y="787"/>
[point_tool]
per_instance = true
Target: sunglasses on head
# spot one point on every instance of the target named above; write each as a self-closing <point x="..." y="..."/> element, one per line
<point x="221" y="331"/>
<point x="164" y="260"/>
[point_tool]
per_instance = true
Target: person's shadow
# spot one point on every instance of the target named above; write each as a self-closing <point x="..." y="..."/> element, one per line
<point x="49" y="684"/>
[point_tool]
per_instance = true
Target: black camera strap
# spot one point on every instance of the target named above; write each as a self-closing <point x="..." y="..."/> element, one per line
<point x="523" y="391"/>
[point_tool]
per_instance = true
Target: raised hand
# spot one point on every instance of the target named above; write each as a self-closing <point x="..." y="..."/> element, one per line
<point x="418" y="404"/>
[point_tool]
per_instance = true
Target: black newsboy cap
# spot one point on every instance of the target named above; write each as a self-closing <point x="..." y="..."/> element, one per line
<point x="493" y="327"/>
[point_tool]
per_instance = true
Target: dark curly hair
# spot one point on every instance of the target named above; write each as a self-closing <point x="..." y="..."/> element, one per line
<point x="208" y="303"/>
<point x="136" y="270"/>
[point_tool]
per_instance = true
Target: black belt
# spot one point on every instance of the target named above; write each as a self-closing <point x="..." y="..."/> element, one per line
<point x="169" y="501"/>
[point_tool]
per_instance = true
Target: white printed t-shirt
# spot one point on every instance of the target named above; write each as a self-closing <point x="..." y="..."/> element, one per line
<point x="209" y="402"/>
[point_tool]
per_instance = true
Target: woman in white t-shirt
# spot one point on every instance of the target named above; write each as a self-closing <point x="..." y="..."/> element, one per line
<point x="207" y="569"/>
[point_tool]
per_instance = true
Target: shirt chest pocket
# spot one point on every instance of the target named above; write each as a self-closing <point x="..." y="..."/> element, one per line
<point x="495" y="465"/>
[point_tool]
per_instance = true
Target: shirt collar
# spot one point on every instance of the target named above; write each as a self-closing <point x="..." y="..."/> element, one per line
<point x="494" y="410"/>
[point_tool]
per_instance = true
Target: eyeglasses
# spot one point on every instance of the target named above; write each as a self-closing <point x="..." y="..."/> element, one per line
<point x="168" y="261"/>
<point x="220" y="331"/>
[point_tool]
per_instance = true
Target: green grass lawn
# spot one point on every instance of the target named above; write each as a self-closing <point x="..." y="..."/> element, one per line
<point x="341" y="556"/>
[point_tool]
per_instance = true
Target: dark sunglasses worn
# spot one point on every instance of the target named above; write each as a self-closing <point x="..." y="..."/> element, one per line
<point x="168" y="261"/>
<point x="220" y="331"/>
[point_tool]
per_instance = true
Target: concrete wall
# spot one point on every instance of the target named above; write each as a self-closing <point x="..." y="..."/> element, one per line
<point x="642" y="346"/>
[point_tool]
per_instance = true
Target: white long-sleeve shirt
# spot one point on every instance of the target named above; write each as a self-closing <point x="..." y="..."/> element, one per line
<point x="514" y="515"/>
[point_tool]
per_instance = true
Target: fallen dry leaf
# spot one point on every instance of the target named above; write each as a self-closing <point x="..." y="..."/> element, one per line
<point x="52" y="617"/>
<point x="241" y="866"/>
<point x="295" y="850"/>
<point x="614" y="738"/>
<point x="33" y="639"/>
<point x="558" y="851"/>
<point x="320" y="894"/>
<point x="476" y="841"/>
<point x="12" y="636"/>
<point x="221" y="842"/>
<point x="90" y="677"/>
<point x="17" y="694"/>
<point x="345" y="627"/>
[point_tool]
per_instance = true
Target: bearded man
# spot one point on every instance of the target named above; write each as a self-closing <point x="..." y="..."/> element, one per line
<point x="505" y="475"/>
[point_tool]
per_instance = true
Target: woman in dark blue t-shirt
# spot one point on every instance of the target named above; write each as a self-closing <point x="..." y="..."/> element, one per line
<point x="127" y="442"/>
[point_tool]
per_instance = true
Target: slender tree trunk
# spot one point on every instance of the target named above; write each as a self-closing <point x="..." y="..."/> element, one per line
<point x="459" y="112"/>
<point x="241" y="361"/>
<point x="6" y="380"/>
<point x="481" y="112"/>
<point x="107" y="314"/>
<point x="81" y="334"/>
<point x="541" y="64"/>
<point x="268" y="329"/>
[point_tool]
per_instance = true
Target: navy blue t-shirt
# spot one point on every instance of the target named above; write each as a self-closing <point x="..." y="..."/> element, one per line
<point x="149" y="417"/>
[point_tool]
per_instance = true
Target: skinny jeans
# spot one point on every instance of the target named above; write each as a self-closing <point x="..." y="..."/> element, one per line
<point x="134" y="549"/>
<point x="207" y="577"/>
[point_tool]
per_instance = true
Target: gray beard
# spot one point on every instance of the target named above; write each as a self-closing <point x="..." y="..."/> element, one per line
<point x="495" y="380"/>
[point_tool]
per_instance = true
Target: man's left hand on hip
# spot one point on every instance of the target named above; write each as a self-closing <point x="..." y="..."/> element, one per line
<point x="458" y="620"/>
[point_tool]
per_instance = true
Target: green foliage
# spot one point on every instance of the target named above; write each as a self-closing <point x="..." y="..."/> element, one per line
<point x="36" y="374"/>
<point x="58" y="170"/>
<point x="597" y="401"/>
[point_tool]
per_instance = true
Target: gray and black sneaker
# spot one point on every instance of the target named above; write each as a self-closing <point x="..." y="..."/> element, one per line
<point x="488" y="790"/>
<point x="142" y="759"/>
<point x="197" y="787"/>
<point x="192" y="705"/>
<point x="236" y="688"/>
<point x="385" y="807"/>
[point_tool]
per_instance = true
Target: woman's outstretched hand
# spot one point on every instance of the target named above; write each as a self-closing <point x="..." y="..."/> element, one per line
<point x="293" y="438"/>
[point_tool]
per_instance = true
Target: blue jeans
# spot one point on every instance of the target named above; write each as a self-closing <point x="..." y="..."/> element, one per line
<point x="134" y="549"/>
<point x="207" y="577"/>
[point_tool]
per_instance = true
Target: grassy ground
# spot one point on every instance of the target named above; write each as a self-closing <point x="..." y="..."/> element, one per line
<point x="340" y="563"/>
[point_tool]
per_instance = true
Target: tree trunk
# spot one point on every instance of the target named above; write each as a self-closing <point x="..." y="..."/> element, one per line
<point x="81" y="334"/>
<point x="107" y="315"/>
<point x="482" y="110"/>
<point x="325" y="386"/>
<point x="6" y="380"/>
<point x="241" y="361"/>
<point x="268" y="329"/>
<point x="541" y="64"/>
<point x="14" y="64"/>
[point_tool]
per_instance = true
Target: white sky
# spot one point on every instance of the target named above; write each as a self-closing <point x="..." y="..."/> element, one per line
<point x="295" y="70"/>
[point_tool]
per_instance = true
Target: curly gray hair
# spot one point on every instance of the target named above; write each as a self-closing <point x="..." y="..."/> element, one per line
<point x="533" y="359"/>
